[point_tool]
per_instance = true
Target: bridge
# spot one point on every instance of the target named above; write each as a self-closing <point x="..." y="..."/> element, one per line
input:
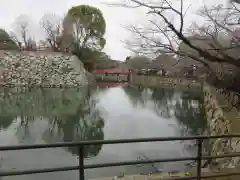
<point x="111" y="84"/>
<point x="113" y="75"/>
<point x="198" y="174"/>
<point x="112" y="71"/>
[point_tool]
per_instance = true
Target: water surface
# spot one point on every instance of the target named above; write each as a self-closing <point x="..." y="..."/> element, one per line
<point x="96" y="113"/>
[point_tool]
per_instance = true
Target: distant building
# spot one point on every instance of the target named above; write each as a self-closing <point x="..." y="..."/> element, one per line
<point x="31" y="44"/>
<point x="43" y="45"/>
<point x="205" y="43"/>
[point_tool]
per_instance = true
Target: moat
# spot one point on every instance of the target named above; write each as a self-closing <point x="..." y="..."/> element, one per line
<point x="96" y="113"/>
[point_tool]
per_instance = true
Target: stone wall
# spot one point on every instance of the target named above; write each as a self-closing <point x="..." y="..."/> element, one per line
<point x="219" y="125"/>
<point x="41" y="69"/>
<point x="163" y="81"/>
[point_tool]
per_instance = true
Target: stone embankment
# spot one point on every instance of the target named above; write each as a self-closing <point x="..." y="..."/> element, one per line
<point x="38" y="69"/>
<point x="171" y="82"/>
<point x="219" y="125"/>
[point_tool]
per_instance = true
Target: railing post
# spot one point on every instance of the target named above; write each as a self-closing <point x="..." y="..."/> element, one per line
<point x="118" y="77"/>
<point x="199" y="159"/>
<point x="128" y="76"/>
<point x="81" y="162"/>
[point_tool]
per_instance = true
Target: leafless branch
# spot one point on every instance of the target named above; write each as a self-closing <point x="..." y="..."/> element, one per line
<point x="176" y="34"/>
<point x="21" y="33"/>
<point x="24" y="31"/>
<point x="52" y="27"/>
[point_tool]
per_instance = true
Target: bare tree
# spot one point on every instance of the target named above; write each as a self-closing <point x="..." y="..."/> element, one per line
<point x="21" y="37"/>
<point x="52" y="26"/>
<point x="24" y="31"/>
<point x="21" y="32"/>
<point x="163" y="34"/>
<point x="166" y="32"/>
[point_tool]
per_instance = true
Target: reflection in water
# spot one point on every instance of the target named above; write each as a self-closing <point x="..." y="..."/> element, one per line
<point x="191" y="116"/>
<point x="185" y="106"/>
<point x="5" y="121"/>
<point x="163" y="100"/>
<point x="97" y="113"/>
<point x="84" y="123"/>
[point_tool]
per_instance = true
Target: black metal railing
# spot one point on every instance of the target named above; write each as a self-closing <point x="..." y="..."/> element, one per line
<point x="81" y="166"/>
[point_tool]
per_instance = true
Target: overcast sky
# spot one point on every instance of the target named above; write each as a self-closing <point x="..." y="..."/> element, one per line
<point x="115" y="17"/>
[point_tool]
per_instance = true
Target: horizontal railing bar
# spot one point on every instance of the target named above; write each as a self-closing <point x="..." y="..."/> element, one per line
<point x="204" y="177"/>
<point x="181" y="178"/>
<point x="118" y="141"/>
<point x="221" y="175"/>
<point x="125" y="163"/>
<point x="221" y="156"/>
<point x="37" y="171"/>
<point x="91" y="166"/>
